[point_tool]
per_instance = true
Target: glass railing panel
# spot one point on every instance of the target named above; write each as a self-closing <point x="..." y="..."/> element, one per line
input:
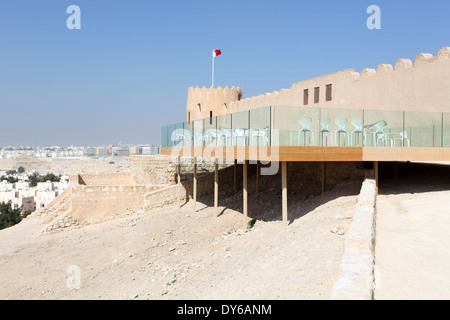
<point x="210" y="135"/>
<point x="240" y="128"/>
<point x="259" y="133"/>
<point x="172" y="136"/>
<point x="341" y="127"/>
<point x="295" y="126"/>
<point x="164" y="137"/>
<point x="446" y="130"/>
<point x="423" y="129"/>
<point x="225" y="130"/>
<point x="189" y="134"/>
<point x="178" y="135"/>
<point x="383" y="128"/>
<point x="198" y="133"/>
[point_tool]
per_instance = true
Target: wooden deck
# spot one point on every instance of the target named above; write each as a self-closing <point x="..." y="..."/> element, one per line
<point x="292" y="154"/>
<point x="312" y="153"/>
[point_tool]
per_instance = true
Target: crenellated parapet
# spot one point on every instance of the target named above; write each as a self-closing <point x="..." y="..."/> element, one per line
<point x="202" y="101"/>
<point x="419" y="85"/>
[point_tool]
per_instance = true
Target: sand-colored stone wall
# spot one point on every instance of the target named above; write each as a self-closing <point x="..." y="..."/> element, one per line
<point x="154" y="184"/>
<point x="93" y="204"/>
<point x="357" y="265"/>
<point x="303" y="177"/>
<point x="419" y="86"/>
<point x="103" y="179"/>
<point x="201" y="101"/>
<point x="162" y="170"/>
<point x="152" y="170"/>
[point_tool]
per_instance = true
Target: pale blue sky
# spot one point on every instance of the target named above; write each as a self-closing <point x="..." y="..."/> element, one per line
<point x="126" y="72"/>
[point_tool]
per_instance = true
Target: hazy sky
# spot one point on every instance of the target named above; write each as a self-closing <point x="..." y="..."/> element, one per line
<point x="126" y="73"/>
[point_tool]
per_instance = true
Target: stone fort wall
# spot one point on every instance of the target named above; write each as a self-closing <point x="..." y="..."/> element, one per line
<point x="421" y="85"/>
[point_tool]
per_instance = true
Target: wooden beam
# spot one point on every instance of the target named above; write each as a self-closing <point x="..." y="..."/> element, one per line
<point x="395" y="170"/>
<point x="284" y="191"/>
<point x="245" y="194"/>
<point x="375" y="172"/>
<point x="323" y="177"/>
<point x="216" y="188"/>
<point x="282" y="153"/>
<point x="405" y="154"/>
<point x="257" y="176"/>
<point x="302" y="154"/>
<point x="235" y="176"/>
<point x="195" y="184"/>
<point x="179" y="181"/>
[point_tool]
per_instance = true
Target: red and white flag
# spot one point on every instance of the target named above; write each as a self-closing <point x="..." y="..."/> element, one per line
<point x="215" y="53"/>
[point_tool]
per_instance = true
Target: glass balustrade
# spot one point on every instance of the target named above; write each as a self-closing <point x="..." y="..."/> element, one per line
<point x="423" y="129"/>
<point x="306" y="126"/>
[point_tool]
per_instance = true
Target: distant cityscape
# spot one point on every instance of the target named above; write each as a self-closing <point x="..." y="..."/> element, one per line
<point x="72" y="151"/>
<point x="22" y="189"/>
<point x="18" y="189"/>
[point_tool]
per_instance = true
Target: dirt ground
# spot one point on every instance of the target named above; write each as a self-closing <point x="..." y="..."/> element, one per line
<point x="178" y="254"/>
<point x="412" y="239"/>
<point x="65" y="165"/>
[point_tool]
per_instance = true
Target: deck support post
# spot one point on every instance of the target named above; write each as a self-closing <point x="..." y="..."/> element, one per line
<point x="216" y="187"/>
<point x="235" y="176"/>
<point x="323" y="177"/>
<point x="395" y="170"/>
<point x="284" y="191"/>
<point x="179" y="181"/>
<point x="257" y="176"/>
<point x="376" y="172"/>
<point x="245" y="194"/>
<point x="195" y="185"/>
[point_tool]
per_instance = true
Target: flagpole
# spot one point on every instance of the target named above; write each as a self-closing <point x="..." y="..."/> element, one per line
<point x="213" y="68"/>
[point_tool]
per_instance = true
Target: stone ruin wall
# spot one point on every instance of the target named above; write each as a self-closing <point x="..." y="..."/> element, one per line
<point x="88" y="204"/>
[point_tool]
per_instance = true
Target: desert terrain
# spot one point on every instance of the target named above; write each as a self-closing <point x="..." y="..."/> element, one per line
<point x="65" y="165"/>
<point x="173" y="253"/>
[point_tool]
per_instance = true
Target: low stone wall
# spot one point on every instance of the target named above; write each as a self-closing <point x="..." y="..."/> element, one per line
<point x="357" y="264"/>
<point x="156" y="170"/>
<point x="205" y="187"/>
<point x="103" y="179"/>
<point x="306" y="177"/>
<point x="93" y="204"/>
<point x="151" y="183"/>
<point x="162" y="170"/>
<point x="303" y="177"/>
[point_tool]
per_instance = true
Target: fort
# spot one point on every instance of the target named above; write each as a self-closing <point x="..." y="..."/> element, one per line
<point x="413" y="98"/>
<point x="407" y="86"/>
<point x="214" y="153"/>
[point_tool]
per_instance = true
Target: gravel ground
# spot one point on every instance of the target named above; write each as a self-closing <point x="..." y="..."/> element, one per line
<point x="178" y="254"/>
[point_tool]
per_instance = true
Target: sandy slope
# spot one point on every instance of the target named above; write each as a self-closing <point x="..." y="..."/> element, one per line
<point x="177" y="254"/>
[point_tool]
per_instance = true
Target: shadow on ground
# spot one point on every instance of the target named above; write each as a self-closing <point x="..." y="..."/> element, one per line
<point x="413" y="178"/>
<point x="266" y="205"/>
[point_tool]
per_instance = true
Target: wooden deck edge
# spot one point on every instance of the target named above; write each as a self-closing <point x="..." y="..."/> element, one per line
<point x="312" y="153"/>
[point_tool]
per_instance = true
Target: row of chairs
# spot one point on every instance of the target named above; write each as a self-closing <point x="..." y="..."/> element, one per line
<point x="224" y="136"/>
<point x="244" y="136"/>
<point x="375" y="130"/>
